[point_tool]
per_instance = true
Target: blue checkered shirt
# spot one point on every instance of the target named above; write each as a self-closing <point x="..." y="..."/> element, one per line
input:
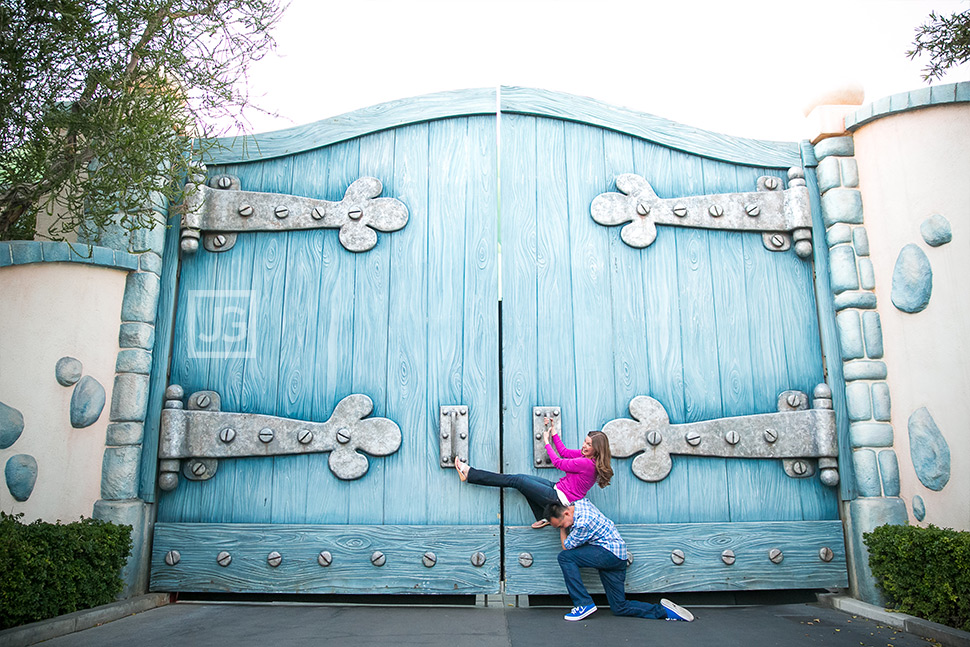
<point x="590" y="526"/>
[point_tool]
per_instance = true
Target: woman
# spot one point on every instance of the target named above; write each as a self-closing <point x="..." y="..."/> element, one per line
<point x="583" y="467"/>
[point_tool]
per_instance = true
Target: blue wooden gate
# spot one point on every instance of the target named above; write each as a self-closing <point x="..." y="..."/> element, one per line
<point x="288" y="323"/>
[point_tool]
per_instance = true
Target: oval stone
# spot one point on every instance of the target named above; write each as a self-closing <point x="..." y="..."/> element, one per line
<point x="936" y="230"/>
<point x="87" y="402"/>
<point x="11" y="425"/>
<point x="67" y="371"/>
<point x="912" y="280"/>
<point x="929" y="450"/>
<point x="919" y="508"/>
<point x="21" y="475"/>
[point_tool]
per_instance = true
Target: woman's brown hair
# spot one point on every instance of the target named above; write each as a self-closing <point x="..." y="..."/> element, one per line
<point x="601" y="447"/>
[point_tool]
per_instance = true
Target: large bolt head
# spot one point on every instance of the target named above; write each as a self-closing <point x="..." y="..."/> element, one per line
<point x="429" y="559"/>
<point x="281" y="212"/>
<point x="304" y="436"/>
<point x="224" y="182"/>
<point x="224" y="558"/>
<point x="716" y="211"/>
<point x="478" y="559"/>
<point x="246" y="210"/>
<point x="317" y="213"/>
<point x="343" y="436"/>
<point x="525" y="560"/>
<point x="776" y="556"/>
<point x="732" y="437"/>
<point x="198" y="468"/>
<point x="274" y="559"/>
<point x="203" y="401"/>
<point x="325" y="558"/>
<point x="266" y="435"/>
<point x="825" y="554"/>
<point x="355" y="214"/>
<point x="227" y="435"/>
<point x="728" y="557"/>
<point x="799" y="467"/>
<point x="378" y="558"/>
<point x="771" y="435"/>
<point x="693" y="438"/>
<point x="752" y="210"/>
<point x="680" y="210"/>
<point x="654" y="438"/>
<point x="677" y="556"/>
<point x="172" y="557"/>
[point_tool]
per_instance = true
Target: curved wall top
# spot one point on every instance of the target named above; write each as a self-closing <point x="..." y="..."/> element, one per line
<point x="905" y="101"/>
<point x="482" y="101"/>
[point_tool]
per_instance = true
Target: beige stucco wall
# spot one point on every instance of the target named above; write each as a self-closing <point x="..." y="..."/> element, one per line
<point x="49" y="311"/>
<point x="913" y="165"/>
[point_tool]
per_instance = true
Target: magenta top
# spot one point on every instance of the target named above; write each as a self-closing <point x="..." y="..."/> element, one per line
<point x="580" y="471"/>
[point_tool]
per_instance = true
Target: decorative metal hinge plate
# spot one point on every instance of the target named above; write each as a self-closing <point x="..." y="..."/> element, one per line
<point x="539" y="415"/>
<point x="217" y="214"/>
<point x="781" y="215"/>
<point x="453" y="433"/>
<point x="201" y="434"/>
<point x="795" y="434"/>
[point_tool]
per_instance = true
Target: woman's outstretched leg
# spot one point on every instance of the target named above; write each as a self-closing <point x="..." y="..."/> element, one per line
<point x="537" y="491"/>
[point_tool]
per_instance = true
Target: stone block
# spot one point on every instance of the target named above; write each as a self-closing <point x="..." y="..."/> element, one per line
<point x="56" y="252"/>
<point x="6" y="257"/>
<point x="26" y="251"/>
<point x="936" y="230"/>
<point x="145" y="239"/>
<point x="129" y="400"/>
<point x="134" y="360"/>
<point x="140" y="302"/>
<point x="855" y="299"/>
<point x="850" y="172"/>
<point x="860" y="240"/>
<point x="134" y="513"/>
<point x="842" y="146"/>
<point x="870" y="434"/>
<point x="838" y="234"/>
<point x="929" y="450"/>
<point x="136" y="335"/>
<point x="912" y="280"/>
<point x="151" y="262"/>
<point x="829" y="175"/>
<point x="858" y="401"/>
<point x="850" y="334"/>
<point x="20" y="473"/>
<point x="865" y="515"/>
<point x="889" y="472"/>
<point x="842" y="269"/>
<point x="82" y="253"/>
<point x="866" y="472"/>
<point x="872" y="331"/>
<point x="119" y="472"/>
<point x="881" y="402"/>
<point x="867" y="275"/>
<point x="104" y="256"/>
<point x="864" y="370"/>
<point x="842" y="205"/>
<point x="87" y="402"/>
<point x="126" y="260"/>
<point x="124" y="433"/>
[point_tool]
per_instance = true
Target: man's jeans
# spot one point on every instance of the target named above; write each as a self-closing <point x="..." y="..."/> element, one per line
<point x="612" y="572"/>
<point x="537" y="491"/>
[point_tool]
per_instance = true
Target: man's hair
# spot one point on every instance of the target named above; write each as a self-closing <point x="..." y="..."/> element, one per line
<point x="554" y="511"/>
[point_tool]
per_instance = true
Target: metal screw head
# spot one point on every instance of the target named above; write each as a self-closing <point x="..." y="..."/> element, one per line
<point x="752" y="210"/>
<point x="198" y="468"/>
<point x="429" y="559"/>
<point x="478" y="559"/>
<point x="799" y="467"/>
<point x="642" y="209"/>
<point x="224" y="182"/>
<point x="224" y="558"/>
<point x="343" y="436"/>
<point x="555" y="412"/>
<point x="538" y="436"/>
<point x="776" y="556"/>
<point x="771" y="183"/>
<point x="377" y="558"/>
<point x="445" y="460"/>
<point x="219" y="240"/>
<point x="629" y="558"/>
<point x="317" y="213"/>
<point x="203" y="401"/>
<point x="538" y="413"/>
<point x="825" y="554"/>
<point x="716" y="210"/>
<point x="728" y="557"/>
<point x="777" y="240"/>
<point x="274" y="559"/>
<point x="525" y="560"/>
<point x="771" y="435"/>
<point x="538" y="461"/>
<point x="324" y="558"/>
<point x="227" y="435"/>
<point x="693" y="438"/>
<point x="246" y="210"/>
<point x="677" y="556"/>
<point x="732" y="437"/>
<point x="355" y="214"/>
<point x="172" y="557"/>
<point x="463" y="435"/>
<point x="444" y="434"/>
<point x="463" y="411"/>
<point x="793" y="400"/>
<point x="266" y="435"/>
<point x="680" y="210"/>
<point x="281" y="212"/>
<point x="305" y="436"/>
<point x="654" y="438"/>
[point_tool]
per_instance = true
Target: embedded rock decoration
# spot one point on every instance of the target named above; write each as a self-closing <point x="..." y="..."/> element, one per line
<point x="87" y="402"/>
<point x="912" y="280"/>
<point x="929" y="450"/>
<point x="21" y="475"/>
<point x="936" y="230"/>
<point x="67" y="371"/>
<point x="919" y="508"/>
<point x="11" y="425"/>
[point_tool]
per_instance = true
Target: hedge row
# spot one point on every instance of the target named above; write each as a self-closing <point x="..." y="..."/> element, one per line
<point x="924" y="571"/>
<point x="48" y="569"/>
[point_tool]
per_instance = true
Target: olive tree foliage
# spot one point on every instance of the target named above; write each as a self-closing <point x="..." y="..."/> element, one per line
<point x="946" y="39"/>
<point x="106" y="105"/>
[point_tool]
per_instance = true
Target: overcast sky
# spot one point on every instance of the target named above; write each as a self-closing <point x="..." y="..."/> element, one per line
<point x="737" y="67"/>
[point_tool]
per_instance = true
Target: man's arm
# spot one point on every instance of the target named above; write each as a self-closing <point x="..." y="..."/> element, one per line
<point x="562" y="537"/>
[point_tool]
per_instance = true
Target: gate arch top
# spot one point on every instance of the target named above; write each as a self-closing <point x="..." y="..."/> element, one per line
<point x="482" y="101"/>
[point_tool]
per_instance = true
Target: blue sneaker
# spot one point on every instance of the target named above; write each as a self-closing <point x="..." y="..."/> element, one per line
<point x="675" y="611"/>
<point x="578" y="613"/>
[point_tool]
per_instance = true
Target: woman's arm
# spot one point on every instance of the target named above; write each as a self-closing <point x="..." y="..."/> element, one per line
<point x="564" y="451"/>
<point x="572" y="465"/>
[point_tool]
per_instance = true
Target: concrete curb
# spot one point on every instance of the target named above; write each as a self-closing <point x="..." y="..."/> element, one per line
<point x="904" y="622"/>
<point x="36" y="632"/>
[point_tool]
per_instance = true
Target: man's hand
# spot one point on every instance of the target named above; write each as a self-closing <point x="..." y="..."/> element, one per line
<point x="562" y="537"/>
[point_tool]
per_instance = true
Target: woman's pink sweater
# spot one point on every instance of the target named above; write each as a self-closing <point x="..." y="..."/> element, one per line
<point x="580" y="471"/>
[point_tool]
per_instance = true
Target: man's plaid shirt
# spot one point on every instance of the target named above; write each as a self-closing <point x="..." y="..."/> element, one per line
<point x="590" y="526"/>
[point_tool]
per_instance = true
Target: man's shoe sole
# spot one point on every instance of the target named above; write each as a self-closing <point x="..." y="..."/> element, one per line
<point x="585" y="615"/>
<point x="679" y="611"/>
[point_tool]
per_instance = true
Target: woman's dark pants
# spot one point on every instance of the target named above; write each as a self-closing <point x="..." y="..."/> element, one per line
<point x="537" y="491"/>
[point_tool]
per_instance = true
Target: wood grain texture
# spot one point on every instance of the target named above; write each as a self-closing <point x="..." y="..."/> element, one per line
<point x="353" y="124"/>
<point x="703" y="569"/>
<point x="559" y="105"/>
<point x="351" y="570"/>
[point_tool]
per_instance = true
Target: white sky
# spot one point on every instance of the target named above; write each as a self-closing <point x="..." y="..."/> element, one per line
<point x="738" y="67"/>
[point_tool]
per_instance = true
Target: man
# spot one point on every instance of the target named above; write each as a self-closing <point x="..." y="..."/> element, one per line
<point x="590" y="540"/>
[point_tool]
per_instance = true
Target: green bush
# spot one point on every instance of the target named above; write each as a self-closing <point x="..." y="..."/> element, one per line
<point x="48" y="569"/>
<point x="924" y="571"/>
